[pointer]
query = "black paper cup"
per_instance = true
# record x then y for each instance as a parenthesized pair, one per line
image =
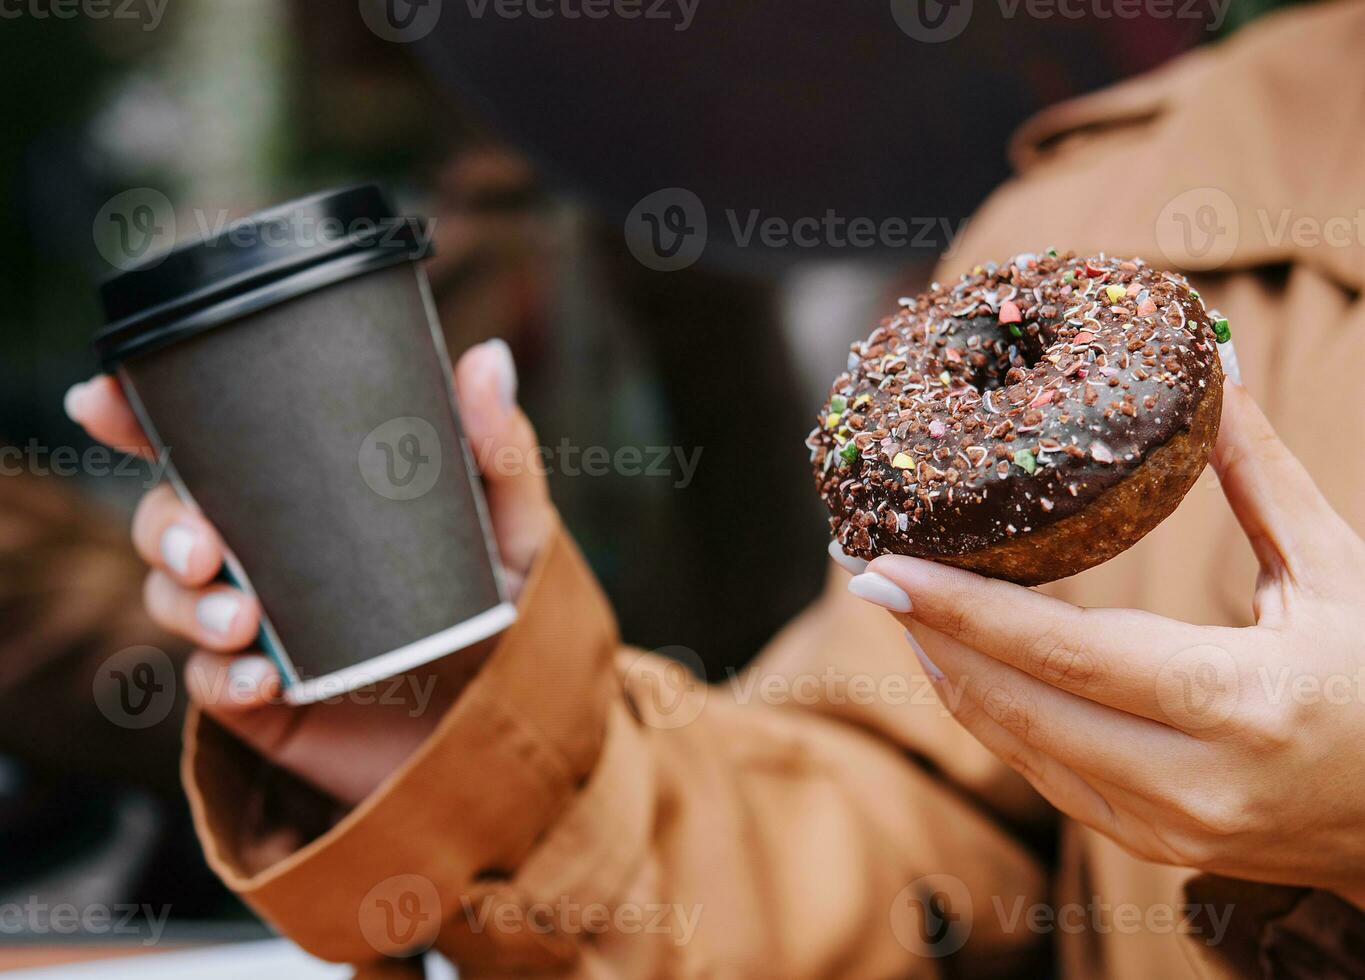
(293, 371)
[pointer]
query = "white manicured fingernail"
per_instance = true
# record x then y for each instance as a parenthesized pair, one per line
(177, 543)
(247, 675)
(1231, 369)
(217, 610)
(506, 369)
(72, 400)
(880, 591)
(929, 666)
(846, 562)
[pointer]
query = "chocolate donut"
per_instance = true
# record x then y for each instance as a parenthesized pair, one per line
(1027, 422)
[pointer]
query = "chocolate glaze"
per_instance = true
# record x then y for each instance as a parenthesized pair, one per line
(949, 433)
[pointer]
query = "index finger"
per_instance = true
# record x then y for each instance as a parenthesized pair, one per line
(1110, 656)
(1290, 524)
(99, 406)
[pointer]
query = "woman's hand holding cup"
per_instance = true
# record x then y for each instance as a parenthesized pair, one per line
(348, 746)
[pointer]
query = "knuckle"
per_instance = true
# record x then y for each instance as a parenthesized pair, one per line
(157, 599)
(1059, 661)
(1010, 711)
(1219, 815)
(1238, 458)
(153, 510)
(153, 591)
(1268, 723)
(955, 622)
(1184, 848)
(1273, 728)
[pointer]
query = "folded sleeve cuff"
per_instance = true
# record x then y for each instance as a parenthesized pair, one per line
(468, 806)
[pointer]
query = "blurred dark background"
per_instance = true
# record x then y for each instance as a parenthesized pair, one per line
(528, 143)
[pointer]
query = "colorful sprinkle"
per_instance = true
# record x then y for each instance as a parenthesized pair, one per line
(1026, 461)
(1009, 312)
(849, 453)
(832, 419)
(1221, 331)
(937, 430)
(903, 462)
(1115, 293)
(838, 403)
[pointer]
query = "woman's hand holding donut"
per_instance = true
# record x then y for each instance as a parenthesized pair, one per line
(348, 746)
(1236, 751)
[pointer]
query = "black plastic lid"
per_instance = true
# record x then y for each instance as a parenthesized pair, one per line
(263, 259)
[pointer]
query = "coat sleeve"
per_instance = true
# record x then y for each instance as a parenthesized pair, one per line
(585, 809)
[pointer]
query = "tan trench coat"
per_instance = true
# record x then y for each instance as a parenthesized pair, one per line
(583, 811)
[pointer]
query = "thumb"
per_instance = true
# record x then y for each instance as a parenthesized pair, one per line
(1291, 526)
(505, 448)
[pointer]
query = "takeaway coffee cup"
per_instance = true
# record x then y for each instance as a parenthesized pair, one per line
(293, 371)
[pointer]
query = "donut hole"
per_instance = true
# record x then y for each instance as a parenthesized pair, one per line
(994, 357)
